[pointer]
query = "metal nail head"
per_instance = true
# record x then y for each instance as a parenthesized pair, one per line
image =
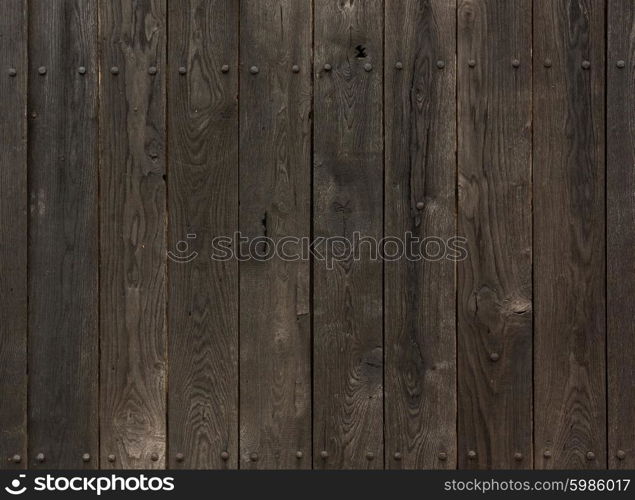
(295, 68)
(471, 63)
(86, 457)
(179, 457)
(114, 70)
(443, 456)
(111, 458)
(546, 454)
(547, 63)
(12, 72)
(621, 454)
(182, 70)
(494, 356)
(299, 455)
(324, 454)
(518, 456)
(368, 67)
(515, 63)
(40, 457)
(154, 457)
(370, 455)
(152, 70)
(81, 70)
(399, 65)
(42, 70)
(327, 67)
(253, 457)
(397, 456)
(440, 64)
(16, 459)
(225, 68)
(420, 205)
(590, 456)
(586, 64)
(254, 70)
(224, 455)
(621, 64)
(471, 454)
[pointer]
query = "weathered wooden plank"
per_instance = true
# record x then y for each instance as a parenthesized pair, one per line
(275, 180)
(133, 234)
(419, 295)
(569, 242)
(13, 228)
(620, 118)
(203, 203)
(347, 191)
(63, 234)
(494, 310)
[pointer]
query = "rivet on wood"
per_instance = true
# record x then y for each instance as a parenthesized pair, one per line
(152, 70)
(368, 67)
(114, 70)
(494, 356)
(81, 70)
(471, 454)
(253, 457)
(12, 72)
(225, 68)
(590, 456)
(254, 70)
(515, 63)
(182, 70)
(397, 456)
(399, 65)
(440, 64)
(295, 68)
(370, 455)
(111, 458)
(299, 454)
(328, 67)
(518, 456)
(547, 63)
(224, 455)
(420, 205)
(621, 64)
(86, 457)
(42, 70)
(621, 454)
(546, 454)
(179, 457)
(16, 459)
(154, 457)
(586, 64)
(443, 456)
(324, 454)
(471, 63)
(40, 457)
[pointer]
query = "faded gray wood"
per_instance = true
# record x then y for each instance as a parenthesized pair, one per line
(63, 234)
(620, 192)
(13, 228)
(275, 180)
(420, 136)
(569, 235)
(347, 198)
(133, 234)
(494, 310)
(203, 203)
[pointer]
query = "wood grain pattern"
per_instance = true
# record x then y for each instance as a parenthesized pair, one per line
(569, 230)
(347, 198)
(13, 228)
(63, 234)
(620, 197)
(494, 309)
(275, 148)
(133, 234)
(203, 202)
(419, 295)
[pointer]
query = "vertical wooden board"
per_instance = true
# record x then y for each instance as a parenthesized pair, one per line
(420, 329)
(348, 198)
(569, 238)
(620, 234)
(494, 310)
(203, 204)
(133, 234)
(63, 234)
(13, 228)
(275, 158)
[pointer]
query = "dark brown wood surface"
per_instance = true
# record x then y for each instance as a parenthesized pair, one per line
(133, 234)
(13, 231)
(63, 235)
(620, 182)
(347, 198)
(420, 180)
(203, 203)
(494, 309)
(275, 180)
(569, 234)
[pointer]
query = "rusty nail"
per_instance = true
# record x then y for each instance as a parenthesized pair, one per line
(370, 455)
(152, 70)
(327, 67)
(114, 70)
(179, 457)
(547, 63)
(440, 64)
(111, 458)
(299, 454)
(420, 205)
(399, 65)
(515, 63)
(397, 456)
(471, 63)
(471, 454)
(324, 454)
(494, 357)
(154, 457)
(253, 457)
(224, 455)
(12, 72)
(42, 70)
(443, 456)
(182, 70)
(590, 456)
(368, 67)
(586, 64)
(621, 64)
(86, 457)
(621, 454)
(546, 454)
(254, 70)
(295, 68)
(16, 459)
(518, 456)
(40, 457)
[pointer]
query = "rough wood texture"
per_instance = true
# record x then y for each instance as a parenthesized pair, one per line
(569, 243)
(133, 234)
(620, 194)
(420, 330)
(347, 193)
(275, 148)
(63, 234)
(494, 310)
(203, 202)
(13, 228)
